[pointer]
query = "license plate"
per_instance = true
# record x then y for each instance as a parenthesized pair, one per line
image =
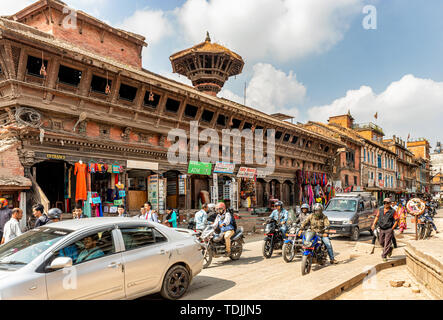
(332, 231)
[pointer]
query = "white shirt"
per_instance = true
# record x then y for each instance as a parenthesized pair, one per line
(150, 216)
(12, 230)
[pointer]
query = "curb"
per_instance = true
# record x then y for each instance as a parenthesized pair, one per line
(339, 289)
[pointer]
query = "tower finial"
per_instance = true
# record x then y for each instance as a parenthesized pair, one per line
(208, 38)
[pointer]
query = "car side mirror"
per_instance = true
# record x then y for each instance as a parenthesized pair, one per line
(60, 263)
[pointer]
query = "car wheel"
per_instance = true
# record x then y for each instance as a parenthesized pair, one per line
(175, 283)
(355, 234)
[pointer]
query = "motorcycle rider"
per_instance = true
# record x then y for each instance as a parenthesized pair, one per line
(319, 223)
(281, 216)
(426, 216)
(54, 215)
(224, 222)
(304, 213)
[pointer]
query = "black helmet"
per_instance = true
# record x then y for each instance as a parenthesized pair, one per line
(54, 213)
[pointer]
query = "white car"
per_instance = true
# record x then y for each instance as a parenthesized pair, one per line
(99, 258)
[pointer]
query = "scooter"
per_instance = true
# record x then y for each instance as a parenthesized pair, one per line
(314, 251)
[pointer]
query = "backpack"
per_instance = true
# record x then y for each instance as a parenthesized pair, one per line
(233, 220)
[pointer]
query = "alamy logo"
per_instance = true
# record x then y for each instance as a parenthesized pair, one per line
(210, 152)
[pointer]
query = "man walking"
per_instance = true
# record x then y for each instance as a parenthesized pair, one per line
(5, 215)
(12, 227)
(386, 221)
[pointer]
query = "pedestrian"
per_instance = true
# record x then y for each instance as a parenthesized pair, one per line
(150, 215)
(121, 211)
(77, 213)
(201, 217)
(171, 218)
(12, 227)
(5, 215)
(38, 212)
(385, 220)
(402, 214)
(142, 214)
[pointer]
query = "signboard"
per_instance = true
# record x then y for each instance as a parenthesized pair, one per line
(263, 172)
(214, 191)
(224, 167)
(244, 172)
(202, 168)
(153, 191)
(162, 195)
(132, 164)
(122, 193)
(381, 183)
(118, 202)
(56, 156)
(182, 185)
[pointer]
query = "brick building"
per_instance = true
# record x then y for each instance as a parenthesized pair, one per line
(421, 149)
(72, 95)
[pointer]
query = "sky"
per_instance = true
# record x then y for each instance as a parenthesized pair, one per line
(310, 59)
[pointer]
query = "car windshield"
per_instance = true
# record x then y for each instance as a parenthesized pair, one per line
(342, 205)
(20, 251)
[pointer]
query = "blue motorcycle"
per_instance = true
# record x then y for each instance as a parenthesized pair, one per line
(314, 251)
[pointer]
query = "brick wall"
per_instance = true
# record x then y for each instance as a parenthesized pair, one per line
(113, 46)
(10, 164)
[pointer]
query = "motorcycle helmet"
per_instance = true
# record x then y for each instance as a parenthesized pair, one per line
(305, 206)
(3, 203)
(318, 209)
(54, 213)
(279, 203)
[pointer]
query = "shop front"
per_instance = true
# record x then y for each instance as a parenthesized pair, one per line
(247, 177)
(200, 185)
(64, 181)
(224, 185)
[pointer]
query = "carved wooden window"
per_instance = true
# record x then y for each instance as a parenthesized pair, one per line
(127, 92)
(70, 76)
(235, 123)
(34, 66)
(286, 137)
(172, 105)
(247, 125)
(98, 84)
(294, 140)
(191, 111)
(221, 120)
(207, 116)
(151, 103)
(278, 135)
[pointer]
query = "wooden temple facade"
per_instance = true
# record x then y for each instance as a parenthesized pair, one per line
(63, 100)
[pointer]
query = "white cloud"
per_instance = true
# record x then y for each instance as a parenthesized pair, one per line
(258, 29)
(410, 105)
(152, 24)
(11, 7)
(271, 90)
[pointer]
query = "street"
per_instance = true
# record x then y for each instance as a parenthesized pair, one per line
(253, 275)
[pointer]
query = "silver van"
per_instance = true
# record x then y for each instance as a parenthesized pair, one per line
(351, 213)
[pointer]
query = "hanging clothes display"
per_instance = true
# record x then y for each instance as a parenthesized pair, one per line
(80, 171)
(87, 206)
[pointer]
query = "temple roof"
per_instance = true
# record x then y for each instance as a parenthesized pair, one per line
(206, 47)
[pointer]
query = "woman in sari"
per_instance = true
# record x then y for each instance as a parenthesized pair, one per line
(402, 214)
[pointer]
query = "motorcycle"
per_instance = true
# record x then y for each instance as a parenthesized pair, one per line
(293, 244)
(314, 251)
(213, 245)
(424, 227)
(273, 238)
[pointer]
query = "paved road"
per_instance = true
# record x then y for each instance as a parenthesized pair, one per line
(226, 279)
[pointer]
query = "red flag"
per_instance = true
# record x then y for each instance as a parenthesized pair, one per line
(376, 115)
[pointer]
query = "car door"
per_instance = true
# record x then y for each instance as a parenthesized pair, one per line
(97, 270)
(146, 256)
(362, 217)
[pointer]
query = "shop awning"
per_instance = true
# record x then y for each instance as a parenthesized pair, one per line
(14, 183)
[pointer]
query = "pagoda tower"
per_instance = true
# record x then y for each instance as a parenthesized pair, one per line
(208, 65)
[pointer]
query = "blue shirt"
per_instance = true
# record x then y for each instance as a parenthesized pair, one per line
(279, 216)
(200, 219)
(86, 254)
(224, 219)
